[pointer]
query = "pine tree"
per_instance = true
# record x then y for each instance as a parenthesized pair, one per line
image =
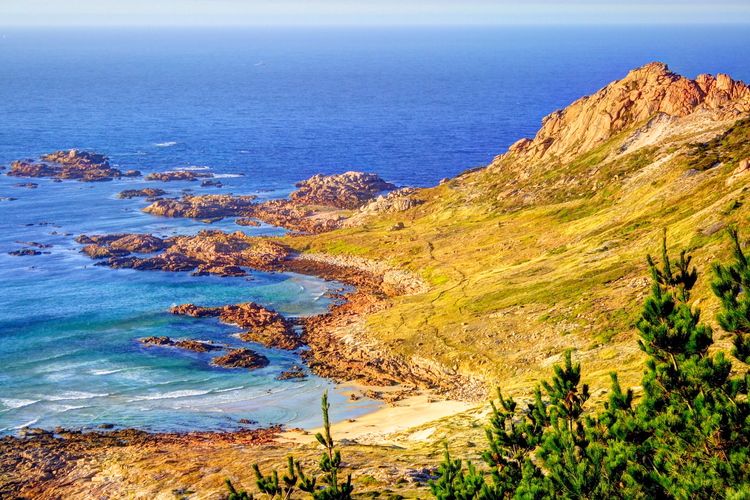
(296, 480)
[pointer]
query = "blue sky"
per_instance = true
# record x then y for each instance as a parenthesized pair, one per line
(366, 12)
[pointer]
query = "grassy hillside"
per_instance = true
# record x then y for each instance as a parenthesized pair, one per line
(527, 259)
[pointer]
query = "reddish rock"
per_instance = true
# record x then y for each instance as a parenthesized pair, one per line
(349, 190)
(157, 341)
(96, 251)
(242, 358)
(139, 243)
(643, 93)
(198, 207)
(263, 326)
(246, 222)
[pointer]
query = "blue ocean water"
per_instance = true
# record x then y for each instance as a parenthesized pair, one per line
(276, 105)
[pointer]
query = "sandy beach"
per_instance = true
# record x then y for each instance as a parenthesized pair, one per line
(387, 423)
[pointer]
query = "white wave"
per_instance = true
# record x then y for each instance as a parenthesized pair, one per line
(165, 144)
(228, 390)
(27, 424)
(245, 151)
(196, 167)
(74, 395)
(14, 403)
(107, 372)
(224, 176)
(170, 395)
(64, 408)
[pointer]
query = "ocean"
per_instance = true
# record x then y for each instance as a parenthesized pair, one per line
(260, 108)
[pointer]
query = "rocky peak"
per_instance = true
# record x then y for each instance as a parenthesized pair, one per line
(646, 91)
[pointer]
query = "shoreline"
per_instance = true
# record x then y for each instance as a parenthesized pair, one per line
(382, 425)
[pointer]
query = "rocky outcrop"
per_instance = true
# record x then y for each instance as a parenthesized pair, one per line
(397, 201)
(190, 345)
(242, 221)
(242, 358)
(179, 175)
(289, 215)
(203, 206)
(27, 185)
(263, 326)
(211, 252)
(118, 245)
(294, 373)
(643, 93)
(25, 252)
(80, 165)
(96, 251)
(348, 191)
(145, 193)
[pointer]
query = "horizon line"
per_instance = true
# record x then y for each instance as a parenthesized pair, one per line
(374, 25)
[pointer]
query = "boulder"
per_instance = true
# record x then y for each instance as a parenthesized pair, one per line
(242, 358)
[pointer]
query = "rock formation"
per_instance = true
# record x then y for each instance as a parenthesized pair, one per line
(263, 326)
(146, 193)
(642, 94)
(179, 175)
(242, 358)
(80, 165)
(348, 190)
(203, 206)
(190, 345)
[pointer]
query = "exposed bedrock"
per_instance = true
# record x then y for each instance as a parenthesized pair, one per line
(80, 165)
(263, 325)
(242, 358)
(348, 190)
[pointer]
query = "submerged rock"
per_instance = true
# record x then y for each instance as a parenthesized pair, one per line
(179, 175)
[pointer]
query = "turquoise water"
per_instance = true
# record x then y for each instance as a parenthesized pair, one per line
(411, 104)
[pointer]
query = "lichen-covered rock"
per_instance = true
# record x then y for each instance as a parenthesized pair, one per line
(242, 358)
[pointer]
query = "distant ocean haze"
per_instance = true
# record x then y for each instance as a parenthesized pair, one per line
(411, 104)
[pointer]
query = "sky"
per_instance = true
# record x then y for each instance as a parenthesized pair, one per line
(368, 12)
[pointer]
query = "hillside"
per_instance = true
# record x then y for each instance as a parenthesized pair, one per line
(545, 248)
